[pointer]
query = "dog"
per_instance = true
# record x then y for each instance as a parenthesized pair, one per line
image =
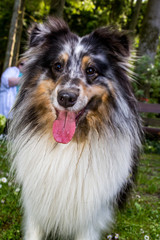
(75, 136)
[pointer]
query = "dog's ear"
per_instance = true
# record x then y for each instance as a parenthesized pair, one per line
(117, 43)
(35, 35)
(39, 32)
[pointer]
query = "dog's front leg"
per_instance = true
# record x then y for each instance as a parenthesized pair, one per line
(88, 235)
(32, 231)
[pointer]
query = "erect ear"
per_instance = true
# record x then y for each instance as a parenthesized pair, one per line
(116, 42)
(39, 32)
(35, 35)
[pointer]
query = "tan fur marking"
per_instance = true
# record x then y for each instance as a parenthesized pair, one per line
(42, 102)
(95, 119)
(104, 98)
(64, 57)
(93, 91)
(111, 88)
(86, 60)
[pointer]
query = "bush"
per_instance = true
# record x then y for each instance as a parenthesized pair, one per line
(152, 146)
(147, 87)
(2, 123)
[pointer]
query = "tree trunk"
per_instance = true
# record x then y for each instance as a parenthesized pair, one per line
(19, 33)
(149, 36)
(14, 38)
(135, 15)
(56, 8)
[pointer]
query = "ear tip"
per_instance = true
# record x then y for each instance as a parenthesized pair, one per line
(32, 27)
(125, 41)
(38, 31)
(56, 21)
(115, 38)
(33, 31)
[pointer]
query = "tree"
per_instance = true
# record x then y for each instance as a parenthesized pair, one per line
(15, 31)
(56, 8)
(135, 15)
(150, 32)
(19, 32)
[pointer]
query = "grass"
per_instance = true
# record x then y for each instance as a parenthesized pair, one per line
(141, 217)
(139, 220)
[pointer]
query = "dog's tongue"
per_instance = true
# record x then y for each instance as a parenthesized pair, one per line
(64, 127)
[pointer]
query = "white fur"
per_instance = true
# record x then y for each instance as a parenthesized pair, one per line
(70, 187)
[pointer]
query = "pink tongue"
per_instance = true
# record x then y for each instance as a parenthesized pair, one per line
(64, 127)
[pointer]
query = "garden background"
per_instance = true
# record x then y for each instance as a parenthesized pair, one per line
(141, 19)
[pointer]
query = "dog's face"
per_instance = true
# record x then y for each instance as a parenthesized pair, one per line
(73, 83)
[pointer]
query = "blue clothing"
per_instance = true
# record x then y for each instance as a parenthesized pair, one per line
(18, 86)
(8, 94)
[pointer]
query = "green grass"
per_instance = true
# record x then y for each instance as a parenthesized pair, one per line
(141, 217)
(10, 213)
(139, 220)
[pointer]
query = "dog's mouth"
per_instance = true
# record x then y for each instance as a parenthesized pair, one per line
(64, 126)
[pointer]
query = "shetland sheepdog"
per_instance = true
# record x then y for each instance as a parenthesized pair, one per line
(75, 136)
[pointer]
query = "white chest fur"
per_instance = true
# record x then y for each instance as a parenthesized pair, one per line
(69, 186)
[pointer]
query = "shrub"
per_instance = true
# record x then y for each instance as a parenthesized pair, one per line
(2, 123)
(147, 86)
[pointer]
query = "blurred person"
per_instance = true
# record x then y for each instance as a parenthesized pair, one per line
(9, 87)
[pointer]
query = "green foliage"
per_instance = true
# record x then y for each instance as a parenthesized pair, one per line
(83, 16)
(2, 123)
(147, 87)
(6, 8)
(36, 11)
(152, 146)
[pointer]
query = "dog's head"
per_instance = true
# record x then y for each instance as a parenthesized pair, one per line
(73, 83)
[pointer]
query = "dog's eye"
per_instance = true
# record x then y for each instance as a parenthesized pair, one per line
(90, 71)
(58, 67)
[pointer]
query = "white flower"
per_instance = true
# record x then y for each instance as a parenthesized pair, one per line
(142, 231)
(0, 185)
(4, 180)
(2, 201)
(17, 190)
(109, 236)
(138, 196)
(146, 237)
(116, 236)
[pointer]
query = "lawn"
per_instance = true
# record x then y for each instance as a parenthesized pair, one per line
(140, 220)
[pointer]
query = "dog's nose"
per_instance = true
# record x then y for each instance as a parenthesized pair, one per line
(67, 99)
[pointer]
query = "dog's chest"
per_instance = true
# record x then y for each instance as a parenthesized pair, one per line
(75, 179)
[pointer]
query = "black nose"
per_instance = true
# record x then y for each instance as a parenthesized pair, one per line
(67, 99)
